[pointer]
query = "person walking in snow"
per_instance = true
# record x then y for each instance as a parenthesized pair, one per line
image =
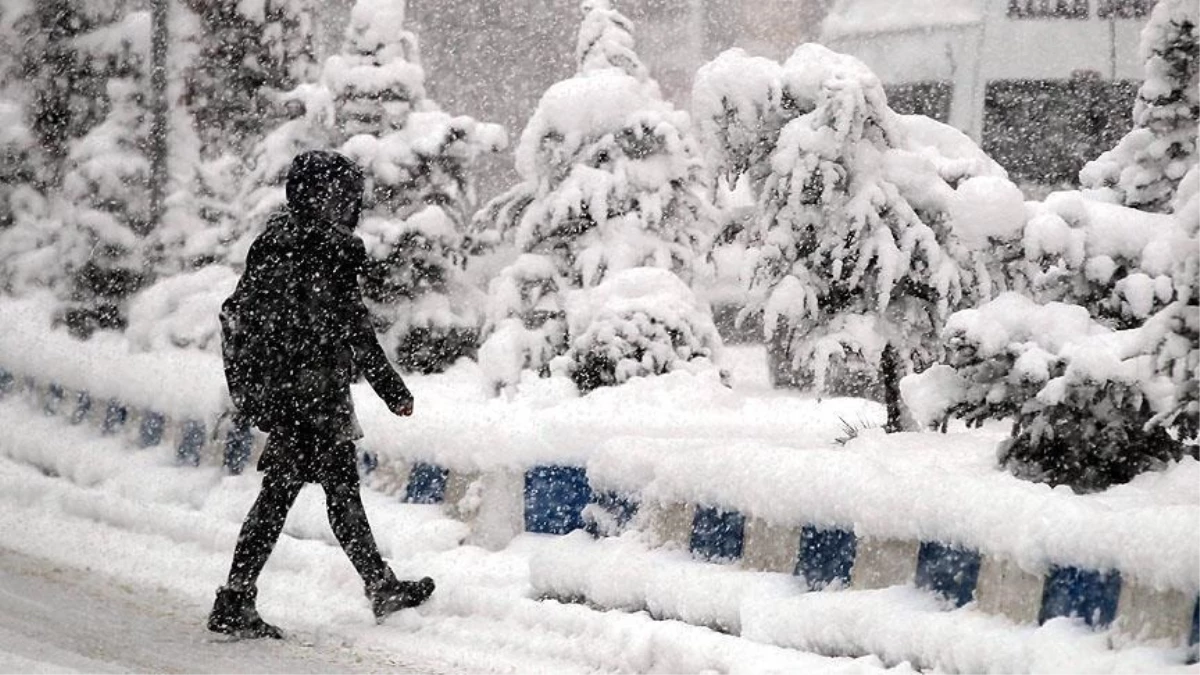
(294, 334)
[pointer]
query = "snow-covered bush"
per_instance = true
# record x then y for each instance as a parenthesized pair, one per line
(1177, 332)
(1144, 169)
(611, 177)
(418, 163)
(1091, 407)
(1114, 261)
(870, 226)
(641, 321)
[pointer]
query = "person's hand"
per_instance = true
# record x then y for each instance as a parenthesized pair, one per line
(403, 408)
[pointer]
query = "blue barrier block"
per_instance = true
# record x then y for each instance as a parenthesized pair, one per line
(1088, 594)
(7, 382)
(949, 571)
(238, 442)
(826, 556)
(83, 406)
(191, 441)
(621, 508)
(426, 484)
(54, 396)
(151, 432)
(554, 499)
(114, 417)
(717, 534)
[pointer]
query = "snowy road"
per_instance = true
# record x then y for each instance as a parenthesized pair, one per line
(56, 619)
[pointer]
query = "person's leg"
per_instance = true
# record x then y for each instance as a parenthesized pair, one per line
(348, 518)
(261, 529)
(234, 612)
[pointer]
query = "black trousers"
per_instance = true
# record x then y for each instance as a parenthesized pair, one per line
(343, 504)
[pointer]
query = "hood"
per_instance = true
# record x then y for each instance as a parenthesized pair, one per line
(325, 188)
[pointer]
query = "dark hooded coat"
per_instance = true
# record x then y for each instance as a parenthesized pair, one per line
(301, 283)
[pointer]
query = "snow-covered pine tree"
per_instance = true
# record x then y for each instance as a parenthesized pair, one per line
(107, 184)
(871, 227)
(307, 126)
(418, 162)
(249, 51)
(611, 179)
(1144, 169)
(16, 169)
(66, 50)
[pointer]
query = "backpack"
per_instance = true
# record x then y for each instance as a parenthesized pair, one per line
(270, 342)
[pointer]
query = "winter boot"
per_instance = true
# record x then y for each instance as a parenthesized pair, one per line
(234, 614)
(390, 595)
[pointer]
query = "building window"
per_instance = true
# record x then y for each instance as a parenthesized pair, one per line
(1125, 9)
(1044, 131)
(931, 98)
(1048, 9)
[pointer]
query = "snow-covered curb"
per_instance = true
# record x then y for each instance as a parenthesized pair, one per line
(718, 477)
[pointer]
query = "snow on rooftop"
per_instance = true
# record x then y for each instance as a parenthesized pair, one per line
(865, 17)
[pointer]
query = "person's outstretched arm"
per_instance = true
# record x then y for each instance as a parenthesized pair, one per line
(369, 357)
(372, 362)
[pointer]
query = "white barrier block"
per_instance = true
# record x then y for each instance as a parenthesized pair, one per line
(1146, 613)
(880, 563)
(133, 426)
(1004, 588)
(390, 475)
(501, 514)
(770, 547)
(256, 450)
(669, 523)
(463, 490)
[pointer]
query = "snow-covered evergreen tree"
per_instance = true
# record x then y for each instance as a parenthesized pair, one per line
(1144, 169)
(611, 177)
(871, 226)
(16, 169)
(65, 51)
(107, 183)
(308, 126)
(250, 50)
(417, 161)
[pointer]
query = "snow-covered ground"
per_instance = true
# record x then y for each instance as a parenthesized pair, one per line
(149, 541)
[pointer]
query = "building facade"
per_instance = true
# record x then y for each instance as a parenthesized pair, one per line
(1043, 85)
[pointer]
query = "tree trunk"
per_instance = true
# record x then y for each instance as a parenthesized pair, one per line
(159, 110)
(889, 367)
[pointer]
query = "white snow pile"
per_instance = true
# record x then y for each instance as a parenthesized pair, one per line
(181, 383)
(181, 311)
(901, 624)
(639, 322)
